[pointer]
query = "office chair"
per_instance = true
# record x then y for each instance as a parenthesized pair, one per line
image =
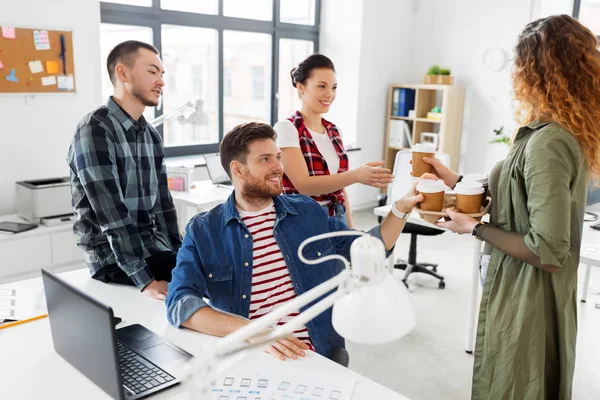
(401, 184)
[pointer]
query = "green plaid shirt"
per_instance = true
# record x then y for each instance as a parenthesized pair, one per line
(120, 196)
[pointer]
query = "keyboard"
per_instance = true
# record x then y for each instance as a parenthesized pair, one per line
(139, 375)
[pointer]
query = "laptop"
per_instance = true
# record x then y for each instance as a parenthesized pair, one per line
(127, 363)
(216, 173)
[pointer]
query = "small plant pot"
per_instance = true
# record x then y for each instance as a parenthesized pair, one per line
(439, 79)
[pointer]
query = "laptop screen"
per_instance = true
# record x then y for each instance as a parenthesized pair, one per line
(215, 170)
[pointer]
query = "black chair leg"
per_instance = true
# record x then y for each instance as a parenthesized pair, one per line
(411, 268)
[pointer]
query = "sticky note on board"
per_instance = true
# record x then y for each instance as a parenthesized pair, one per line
(66, 82)
(36, 66)
(8, 32)
(41, 40)
(1, 65)
(52, 67)
(48, 80)
(12, 77)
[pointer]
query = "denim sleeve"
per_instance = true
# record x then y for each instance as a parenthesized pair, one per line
(343, 243)
(188, 283)
(96, 166)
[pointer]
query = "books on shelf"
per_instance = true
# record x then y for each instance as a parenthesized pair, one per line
(400, 135)
(403, 100)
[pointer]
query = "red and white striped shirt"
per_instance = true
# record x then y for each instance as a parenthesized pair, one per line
(271, 280)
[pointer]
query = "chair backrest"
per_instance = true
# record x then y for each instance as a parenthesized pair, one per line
(403, 180)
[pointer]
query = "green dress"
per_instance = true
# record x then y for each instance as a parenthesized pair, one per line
(527, 327)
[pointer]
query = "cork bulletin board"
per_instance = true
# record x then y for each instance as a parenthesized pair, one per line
(36, 61)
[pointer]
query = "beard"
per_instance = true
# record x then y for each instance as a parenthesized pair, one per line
(259, 188)
(144, 99)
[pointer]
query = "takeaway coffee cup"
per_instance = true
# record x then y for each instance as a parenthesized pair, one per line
(468, 197)
(481, 178)
(419, 167)
(433, 193)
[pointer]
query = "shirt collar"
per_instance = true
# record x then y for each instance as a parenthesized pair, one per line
(125, 119)
(538, 124)
(282, 207)
(300, 120)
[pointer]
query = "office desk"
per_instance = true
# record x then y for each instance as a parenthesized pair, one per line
(30, 368)
(590, 254)
(202, 198)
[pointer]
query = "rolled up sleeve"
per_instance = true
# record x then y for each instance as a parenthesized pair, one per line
(548, 172)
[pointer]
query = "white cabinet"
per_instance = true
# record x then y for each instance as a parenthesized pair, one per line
(64, 248)
(18, 257)
(23, 254)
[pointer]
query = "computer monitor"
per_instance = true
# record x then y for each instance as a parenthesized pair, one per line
(593, 195)
(592, 204)
(216, 172)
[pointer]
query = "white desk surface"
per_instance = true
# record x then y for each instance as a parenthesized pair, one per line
(203, 196)
(31, 369)
(41, 230)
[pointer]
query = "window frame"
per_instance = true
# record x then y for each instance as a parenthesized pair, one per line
(577, 9)
(154, 17)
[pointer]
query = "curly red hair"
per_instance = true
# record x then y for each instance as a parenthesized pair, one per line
(557, 78)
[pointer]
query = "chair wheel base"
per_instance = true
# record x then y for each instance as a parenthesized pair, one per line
(442, 284)
(469, 352)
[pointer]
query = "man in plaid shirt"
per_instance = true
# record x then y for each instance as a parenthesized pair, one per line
(126, 220)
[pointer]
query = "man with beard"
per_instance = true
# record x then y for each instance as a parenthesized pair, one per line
(125, 217)
(242, 255)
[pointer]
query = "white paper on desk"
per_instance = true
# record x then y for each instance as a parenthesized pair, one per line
(17, 303)
(282, 383)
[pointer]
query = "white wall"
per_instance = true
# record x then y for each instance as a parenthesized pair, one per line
(456, 35)
(35, 132)
(369, 43)
(374, 44)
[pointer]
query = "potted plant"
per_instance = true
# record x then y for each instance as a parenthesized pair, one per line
(500, 136)
(438, 75)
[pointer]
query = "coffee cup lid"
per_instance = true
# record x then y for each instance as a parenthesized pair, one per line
(468, 187)
(476, 177)
(423, 148)
(430, 186)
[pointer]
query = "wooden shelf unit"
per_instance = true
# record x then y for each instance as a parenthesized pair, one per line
(450, 98)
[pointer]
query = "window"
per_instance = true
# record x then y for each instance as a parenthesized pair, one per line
(197, 80)
(246, 49)
(258, 83)
(110, 36)
(291, 53)
(228, 58)
(588, 13)
(183, 49)
(200, 7)
(255, 9)
(298, 12)
(227, 81)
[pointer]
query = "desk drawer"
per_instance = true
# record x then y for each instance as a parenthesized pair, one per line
(22, 256)
(64, 248)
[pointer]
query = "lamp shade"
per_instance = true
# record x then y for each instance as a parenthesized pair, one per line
(379, 310)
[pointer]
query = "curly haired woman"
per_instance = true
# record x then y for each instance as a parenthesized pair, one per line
(528, 315)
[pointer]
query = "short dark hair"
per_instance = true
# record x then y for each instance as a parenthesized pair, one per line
(234, 145)
(125, 53)
(304, 70)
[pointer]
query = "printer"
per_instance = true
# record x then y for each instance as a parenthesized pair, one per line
(45, 201)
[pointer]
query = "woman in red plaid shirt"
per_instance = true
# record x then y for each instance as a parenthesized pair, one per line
(314, 158)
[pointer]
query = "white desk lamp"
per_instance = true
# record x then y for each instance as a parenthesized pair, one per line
(191, 112)
(370, 306)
